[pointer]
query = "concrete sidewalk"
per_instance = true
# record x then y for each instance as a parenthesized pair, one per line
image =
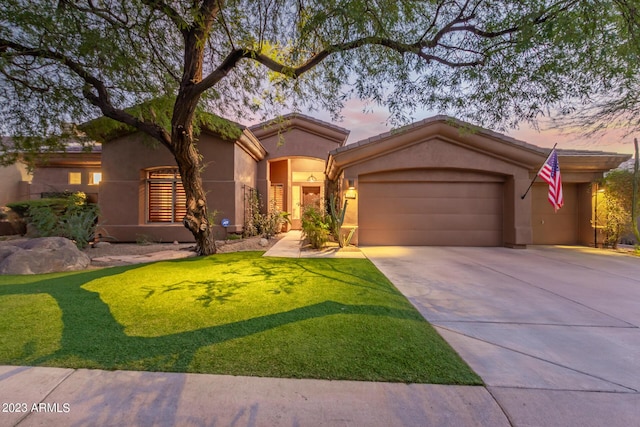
(291, 245)
(67, 397)
(113, 260)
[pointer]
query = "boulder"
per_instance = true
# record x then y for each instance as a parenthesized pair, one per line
(41, 255)
(6, 250)
(264, 242)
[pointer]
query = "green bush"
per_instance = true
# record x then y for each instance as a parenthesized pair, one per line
(71, 217)
(267, 224)
(617, 201)
(315, 227)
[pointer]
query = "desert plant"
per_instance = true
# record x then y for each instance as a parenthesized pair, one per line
(337, 220)
(80, 226)
(267, 224)
(271, 223)
(71, 217)
(315, 227)
(252, 219)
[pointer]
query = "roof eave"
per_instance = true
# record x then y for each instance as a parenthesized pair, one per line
(250, 144)
(305, 123)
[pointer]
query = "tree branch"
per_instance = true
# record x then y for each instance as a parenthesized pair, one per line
(169, 12)
(24, 83)
(420, 48)
(101, 99)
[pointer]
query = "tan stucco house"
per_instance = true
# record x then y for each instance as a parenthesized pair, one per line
(435, 182)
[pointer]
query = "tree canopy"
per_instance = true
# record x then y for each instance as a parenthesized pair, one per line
(494, 62)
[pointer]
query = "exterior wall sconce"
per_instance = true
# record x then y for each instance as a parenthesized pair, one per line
(351, 191)
(312, 178)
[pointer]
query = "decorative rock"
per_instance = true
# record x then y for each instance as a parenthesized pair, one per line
(6, 250)
(175, 242)
(101, 244)
(264, 242)
(41, 255)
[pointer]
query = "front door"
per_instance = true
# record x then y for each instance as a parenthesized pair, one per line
(309, 195)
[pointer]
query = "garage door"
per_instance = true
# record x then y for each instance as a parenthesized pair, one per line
(430, 213)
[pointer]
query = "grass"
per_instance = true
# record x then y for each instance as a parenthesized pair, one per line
(237, 314)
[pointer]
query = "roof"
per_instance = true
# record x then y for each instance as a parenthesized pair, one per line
(71, 146)
(456, 131)
(300, 121)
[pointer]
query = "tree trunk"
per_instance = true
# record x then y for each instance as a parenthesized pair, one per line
(197, 218)
(189, 161)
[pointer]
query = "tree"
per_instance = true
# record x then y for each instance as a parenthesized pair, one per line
(495, 62)
(614, 102)
(618, 204)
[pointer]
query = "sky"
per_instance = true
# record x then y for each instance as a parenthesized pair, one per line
(365, 125)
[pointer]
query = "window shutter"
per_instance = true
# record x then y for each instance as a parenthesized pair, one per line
(166, 196)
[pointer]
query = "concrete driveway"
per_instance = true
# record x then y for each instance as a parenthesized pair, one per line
(553, 331)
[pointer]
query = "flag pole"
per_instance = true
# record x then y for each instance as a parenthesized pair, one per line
(536, 175)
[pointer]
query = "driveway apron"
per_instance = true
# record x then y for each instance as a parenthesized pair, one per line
(553, 331)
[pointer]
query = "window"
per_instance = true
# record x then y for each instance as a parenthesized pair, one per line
(95, 178)
(166, 201)
(277, 196)
(75, 178)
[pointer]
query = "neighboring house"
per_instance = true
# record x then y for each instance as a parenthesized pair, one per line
(69, 172)
(429, 183)
(14, 180)
(14, 183)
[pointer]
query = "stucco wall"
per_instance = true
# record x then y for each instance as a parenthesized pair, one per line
(56, 179)
(295, 142)
(585, 214)
(245, 173)
(122, 192)
(14, 183)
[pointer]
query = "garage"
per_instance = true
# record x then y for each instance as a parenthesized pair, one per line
(437, 183)
(431, 213)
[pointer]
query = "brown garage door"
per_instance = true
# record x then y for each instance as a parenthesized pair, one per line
(430, 213)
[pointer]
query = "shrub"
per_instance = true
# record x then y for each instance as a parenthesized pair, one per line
(271, 223)
(315, 226)
(267, 224)
(71, 217)
(617, 201)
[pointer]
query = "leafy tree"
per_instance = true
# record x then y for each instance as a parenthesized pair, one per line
(495, 62)
(614, 102)
(618, 204)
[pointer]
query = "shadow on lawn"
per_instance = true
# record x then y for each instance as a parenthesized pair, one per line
(90, 332)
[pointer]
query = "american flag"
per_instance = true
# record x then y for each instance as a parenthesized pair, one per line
(550, 172)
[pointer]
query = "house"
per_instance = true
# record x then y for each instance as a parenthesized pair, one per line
(67, 172)
(141, 196)
(435, 182)
(14, 178)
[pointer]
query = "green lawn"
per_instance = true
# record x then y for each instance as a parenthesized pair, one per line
(238, 314)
